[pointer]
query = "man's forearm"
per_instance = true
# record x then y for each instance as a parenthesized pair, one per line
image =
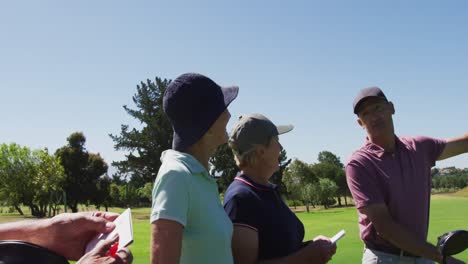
(33, 231)
(405, 240)
(454, 147)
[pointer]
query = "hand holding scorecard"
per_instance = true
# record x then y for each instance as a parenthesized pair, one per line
(338, 236)
(123, 227)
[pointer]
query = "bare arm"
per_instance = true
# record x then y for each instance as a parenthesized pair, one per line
(29, 231)
(398, 235)
(455, 146)
(245, 249)
(60, 233)
(166, 242)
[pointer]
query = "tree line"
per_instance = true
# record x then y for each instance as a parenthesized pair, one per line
(449, 179)
(73, 176)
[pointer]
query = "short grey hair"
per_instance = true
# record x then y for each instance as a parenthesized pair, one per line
(248, 157)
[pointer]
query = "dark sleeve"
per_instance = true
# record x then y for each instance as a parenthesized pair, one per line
(243, 210)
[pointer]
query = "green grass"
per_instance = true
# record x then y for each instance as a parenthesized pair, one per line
(328, 223)
(462, 193)
(447, 213)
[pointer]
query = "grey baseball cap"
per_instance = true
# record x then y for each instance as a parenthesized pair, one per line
(366, 93)
(254, 129)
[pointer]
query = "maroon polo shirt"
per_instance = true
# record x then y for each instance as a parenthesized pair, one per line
(401, 180)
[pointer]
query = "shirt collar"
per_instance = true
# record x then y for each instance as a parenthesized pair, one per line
(192, 164)
(379, 151)
(246, 180)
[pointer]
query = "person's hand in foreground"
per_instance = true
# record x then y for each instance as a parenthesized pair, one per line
(101, 254)
(69, 233)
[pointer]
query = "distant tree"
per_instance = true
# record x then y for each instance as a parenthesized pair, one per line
(144, 145)
(31, 178)
(449, 179)
(82, 170)
(224, 167)
(115, 196)
(147, 191)
(330, 158)
(102, 195)
(310, 194)
(129, 195)
(330, 167)
(327, 191)
(297, 174)
(16, 171)
(277, 177)
(49, 180)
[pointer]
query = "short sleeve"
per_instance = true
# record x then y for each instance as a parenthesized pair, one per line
(432, 147)
(244, 211)
(171, 195)
(363, 185)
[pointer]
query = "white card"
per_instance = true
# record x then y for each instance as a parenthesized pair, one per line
(338, 236)
(123, 226)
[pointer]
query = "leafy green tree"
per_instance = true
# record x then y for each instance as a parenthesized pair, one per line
(82, 170)
(146, 191)
(449, 179)
(224, 167)
(309, 193)
(327, 190)
(297, 174)
(49, 180)
(16, 170)
(277, 177)
(31, 178)
(328, 157)
(129, 195)
(330, 167)
(102, 194)
(115, 196)
(144, 146)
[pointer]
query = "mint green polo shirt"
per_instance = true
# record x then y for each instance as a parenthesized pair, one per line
(185, 192)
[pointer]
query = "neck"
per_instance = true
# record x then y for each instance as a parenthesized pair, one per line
(257, 174)
(388, 142)
(201, 153)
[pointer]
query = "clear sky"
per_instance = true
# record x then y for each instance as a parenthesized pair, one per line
(70, 66)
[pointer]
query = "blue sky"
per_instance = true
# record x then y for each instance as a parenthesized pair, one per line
(71, 66)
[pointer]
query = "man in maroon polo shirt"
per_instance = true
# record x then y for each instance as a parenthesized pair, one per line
(390, 180)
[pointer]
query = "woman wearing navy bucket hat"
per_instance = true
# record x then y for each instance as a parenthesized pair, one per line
(188, 223)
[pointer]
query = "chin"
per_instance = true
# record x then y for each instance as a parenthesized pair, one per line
(277, 167)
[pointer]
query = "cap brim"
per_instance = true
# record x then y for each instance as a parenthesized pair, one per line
(284, 129)
(230, 93)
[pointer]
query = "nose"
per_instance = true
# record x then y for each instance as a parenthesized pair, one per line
(376, 116)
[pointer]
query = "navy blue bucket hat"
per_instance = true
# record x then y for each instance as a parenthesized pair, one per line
(193, 102)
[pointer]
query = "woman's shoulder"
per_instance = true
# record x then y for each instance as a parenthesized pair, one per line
(239, 191)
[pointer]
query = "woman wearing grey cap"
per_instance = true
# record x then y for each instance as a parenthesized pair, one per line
(188, 223)
(265, 229)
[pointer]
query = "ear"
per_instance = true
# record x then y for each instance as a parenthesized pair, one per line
(260, 151)
(360, 123)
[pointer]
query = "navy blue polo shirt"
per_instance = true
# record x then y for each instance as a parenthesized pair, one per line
(261, 208)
